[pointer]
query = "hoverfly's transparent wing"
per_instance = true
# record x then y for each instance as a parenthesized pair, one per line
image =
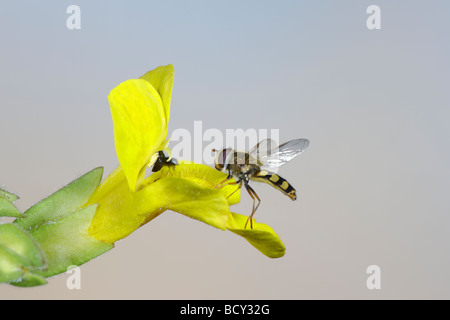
(281, 155)
(263, 148)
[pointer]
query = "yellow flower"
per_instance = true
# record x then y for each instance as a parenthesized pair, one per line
(140, 110)
(127, 199)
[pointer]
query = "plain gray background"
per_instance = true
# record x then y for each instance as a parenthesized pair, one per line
(373, 185)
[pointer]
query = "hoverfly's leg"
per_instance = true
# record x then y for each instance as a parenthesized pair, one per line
(239, 186)
(255, 197)
(223, 182)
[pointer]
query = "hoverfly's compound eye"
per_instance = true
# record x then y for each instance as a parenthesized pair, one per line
(221, 158)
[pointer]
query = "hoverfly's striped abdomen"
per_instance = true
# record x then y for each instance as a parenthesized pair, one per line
(277, 182)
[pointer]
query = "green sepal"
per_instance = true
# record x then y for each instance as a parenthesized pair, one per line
(29, 280)
(64, 201)
(8, 196)
(16, 270)
(66, 242)
(20, 242)
(11, 265)
(20, 257)
(7, 208)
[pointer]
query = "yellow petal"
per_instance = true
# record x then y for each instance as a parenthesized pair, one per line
(191, 199)
(262, 237)
(200, 174)
(139, 125)
(122, 211)
(162, 80)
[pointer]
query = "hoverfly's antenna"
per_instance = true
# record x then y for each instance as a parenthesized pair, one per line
(214, 150)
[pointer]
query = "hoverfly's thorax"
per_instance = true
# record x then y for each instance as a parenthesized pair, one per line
(222, 158)
(239, 164)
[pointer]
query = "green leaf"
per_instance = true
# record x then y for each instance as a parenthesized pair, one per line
(7, 208)
(67, 242)
(20, 256)
(29, 280)
(11, 265)
(65, 201)
(20, 242)
(8, 196)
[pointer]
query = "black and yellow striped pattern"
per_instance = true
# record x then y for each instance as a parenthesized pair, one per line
(277, 182)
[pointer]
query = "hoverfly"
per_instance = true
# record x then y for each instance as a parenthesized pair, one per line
(163, 160)
(256, 165)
